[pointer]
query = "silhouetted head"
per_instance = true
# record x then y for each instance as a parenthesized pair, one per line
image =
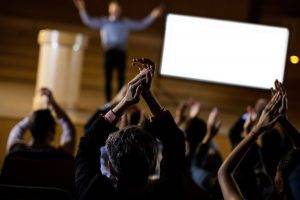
(132, 155)
(260, 105)
(42, 126)
(195, 132)
(272, 150)
(285, 167)
(114, 9)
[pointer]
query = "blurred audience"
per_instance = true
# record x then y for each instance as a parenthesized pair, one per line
(42, 126)
(124, 153)
(285, 182)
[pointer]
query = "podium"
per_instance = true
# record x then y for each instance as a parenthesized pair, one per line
(59, 66)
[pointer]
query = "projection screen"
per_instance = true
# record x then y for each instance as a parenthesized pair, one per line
(224, 52)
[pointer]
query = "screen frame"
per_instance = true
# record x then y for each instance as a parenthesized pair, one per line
(215, 83)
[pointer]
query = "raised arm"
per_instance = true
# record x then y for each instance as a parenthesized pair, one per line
(16, 135)
(292, 133)
(146, 22)
(92, 22)
(213, 126)
(268, 118)
(67, 138)
(163, 127)
(87, 159)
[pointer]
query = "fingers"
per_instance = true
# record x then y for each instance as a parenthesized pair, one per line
(45, 91)
(141, 75)
(143, 63)
(271, 102)
(272, 92)
(213, 116)
(275, 105)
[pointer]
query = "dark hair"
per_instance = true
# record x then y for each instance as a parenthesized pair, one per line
(132, 153)
(272, 149)
(42, 123)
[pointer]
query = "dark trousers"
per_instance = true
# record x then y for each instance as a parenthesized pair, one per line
(114, 59)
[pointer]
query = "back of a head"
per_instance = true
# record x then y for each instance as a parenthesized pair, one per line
(132, 153)
(271, 150)
(260, 105)
(42, 123)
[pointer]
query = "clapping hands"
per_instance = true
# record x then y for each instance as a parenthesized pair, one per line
(274, 109)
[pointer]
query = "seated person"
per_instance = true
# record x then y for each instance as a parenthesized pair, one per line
(41, 125)
(132, 151)
(286, 185)
(207, 159)
(236, 131)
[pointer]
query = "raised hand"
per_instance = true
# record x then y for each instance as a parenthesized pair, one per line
(195, 108)
(147, 67)
(47, 93)
(213, 122)
(180, 112)
(134, 91)
(284, 101)
(80, 4)
(157, 11)
(132, 96)
(270, 114)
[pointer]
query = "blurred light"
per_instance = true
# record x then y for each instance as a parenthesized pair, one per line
(54, 45)
(294, 59)
(76, 47)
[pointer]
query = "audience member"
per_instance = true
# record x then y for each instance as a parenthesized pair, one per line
(41, 125)
(274, 111)
(132, 150)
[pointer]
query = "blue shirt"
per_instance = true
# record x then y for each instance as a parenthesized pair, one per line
(114, 33)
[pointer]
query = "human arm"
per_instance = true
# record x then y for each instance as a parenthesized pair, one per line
(213, 126)
(87, 158)
(67, 138)
(268, 118)
(16, 135)
(108, 106)
(135, 25)
(92, 22)
(292, 133)
(163, 127)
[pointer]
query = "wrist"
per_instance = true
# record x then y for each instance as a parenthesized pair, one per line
(120, 108)
(282, 119)
(256, 131)
(147, 94)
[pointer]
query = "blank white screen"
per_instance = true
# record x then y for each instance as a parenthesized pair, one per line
(224, 51)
